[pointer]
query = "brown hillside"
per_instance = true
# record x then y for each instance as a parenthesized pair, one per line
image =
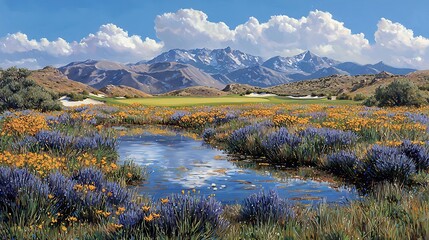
(352, 85)
(53, 80)
(237, 88)
(123, 91)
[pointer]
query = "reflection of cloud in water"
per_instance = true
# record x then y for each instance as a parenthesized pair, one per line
(171, 158)
(195, 177)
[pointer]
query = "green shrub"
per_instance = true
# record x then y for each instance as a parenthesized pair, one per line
(18, 92)
(359, 97)
(76, 96)
(369, 102)
(399, 93)
(343, 96)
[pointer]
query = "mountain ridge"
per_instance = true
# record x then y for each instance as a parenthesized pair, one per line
(179, 68)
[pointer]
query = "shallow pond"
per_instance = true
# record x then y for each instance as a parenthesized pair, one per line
(177, 163)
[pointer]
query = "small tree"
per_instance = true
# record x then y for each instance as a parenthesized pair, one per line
(369, 102)
(18, 92)
(343, 96)
(399, 93)
(359, 97)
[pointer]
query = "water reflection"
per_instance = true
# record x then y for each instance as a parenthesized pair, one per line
(178, 163)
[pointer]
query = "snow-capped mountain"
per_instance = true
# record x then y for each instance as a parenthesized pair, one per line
(178, 69)
(217, 61)
(305, 62)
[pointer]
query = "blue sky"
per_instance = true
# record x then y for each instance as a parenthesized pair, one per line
(74, 20)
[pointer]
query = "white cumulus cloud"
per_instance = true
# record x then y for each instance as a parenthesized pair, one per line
(281, 35)
(318, 32)
(19, 42)
(30, 63)
(109, 42)
(188, 28)
(397, 45)
(113, 40)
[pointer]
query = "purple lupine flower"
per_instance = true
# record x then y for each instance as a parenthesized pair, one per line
(265, 208)
(417, 153)
(81, 109)
(388, 164)
(196, 213)
(318, 115)
(208, 134)
(131, 217)
(53, 140)
(418, 117)
(13, 182)
(279, 138)
(329, 137)
(177, 116)
(85, 143)
(91, 176)
(27, 143)
(344, 164)
(118, 196)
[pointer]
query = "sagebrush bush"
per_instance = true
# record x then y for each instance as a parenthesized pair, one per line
(359, 97)
(20, 93)
(399, 93)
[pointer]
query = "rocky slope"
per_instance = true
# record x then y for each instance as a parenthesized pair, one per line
(178, 69)
(53, 80)
(150, 78)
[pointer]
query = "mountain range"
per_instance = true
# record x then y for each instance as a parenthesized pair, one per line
(178, 68)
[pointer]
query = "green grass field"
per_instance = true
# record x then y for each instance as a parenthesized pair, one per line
(213, 101)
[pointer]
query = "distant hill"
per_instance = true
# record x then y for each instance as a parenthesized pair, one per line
(352, 85)
(199, 91)
(150, 78)
(53, 80)
(241, 89)
(123, 91)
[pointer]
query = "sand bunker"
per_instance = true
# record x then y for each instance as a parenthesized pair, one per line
(67, 103)
(306, 97)
(260, 95)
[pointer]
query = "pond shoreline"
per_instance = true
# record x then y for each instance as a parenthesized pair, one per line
(221, 173)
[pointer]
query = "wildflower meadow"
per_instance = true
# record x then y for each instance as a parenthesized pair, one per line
(60, 176)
